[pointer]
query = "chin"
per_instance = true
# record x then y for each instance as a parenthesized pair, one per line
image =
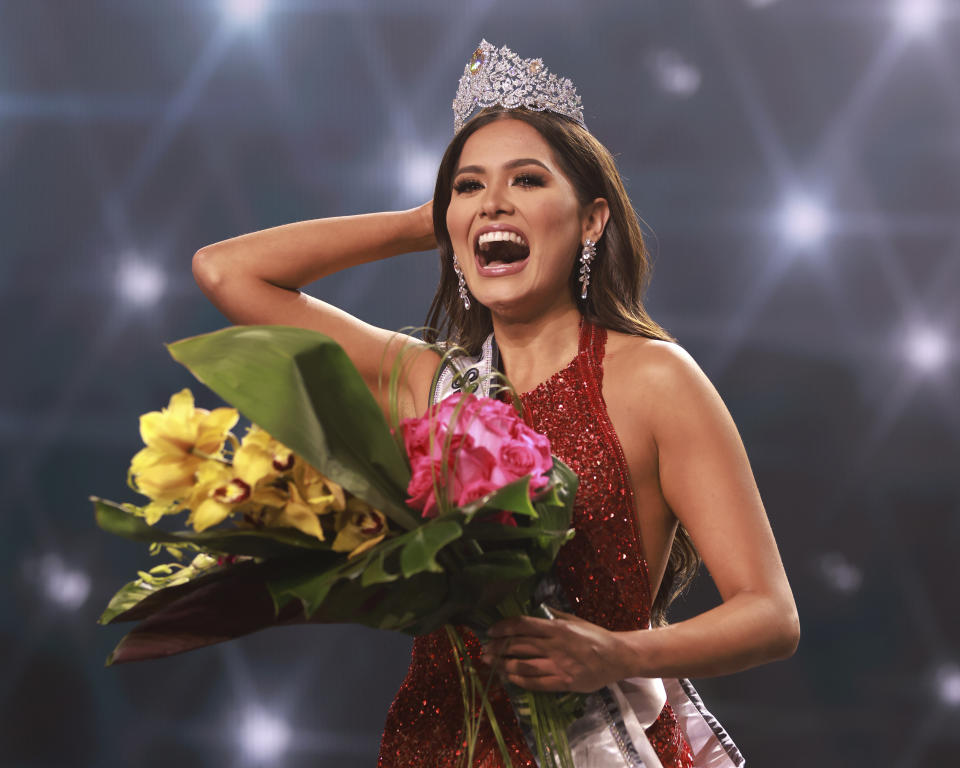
(510, 307)
(516, 309)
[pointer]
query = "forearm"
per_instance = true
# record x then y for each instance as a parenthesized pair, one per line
(294, 255)
(745, 631)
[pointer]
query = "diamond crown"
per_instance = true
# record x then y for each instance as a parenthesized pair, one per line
(499, 77)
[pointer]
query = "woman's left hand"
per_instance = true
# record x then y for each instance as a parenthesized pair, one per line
(563, 654)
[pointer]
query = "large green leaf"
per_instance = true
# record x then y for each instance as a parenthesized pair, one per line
(262, 542)
(301, 387)
(422, 544)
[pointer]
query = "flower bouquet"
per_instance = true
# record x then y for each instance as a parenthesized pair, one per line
(324, 513)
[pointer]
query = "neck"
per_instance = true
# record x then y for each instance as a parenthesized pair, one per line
(532, 350)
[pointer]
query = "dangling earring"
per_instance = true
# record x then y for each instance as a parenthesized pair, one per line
(587, 255)
(461, 284)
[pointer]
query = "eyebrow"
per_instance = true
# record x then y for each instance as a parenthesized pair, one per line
(512, 164)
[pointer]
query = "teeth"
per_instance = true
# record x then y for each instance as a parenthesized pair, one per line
(500, 236)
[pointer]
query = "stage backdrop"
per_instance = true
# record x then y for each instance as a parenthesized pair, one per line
(797, 165)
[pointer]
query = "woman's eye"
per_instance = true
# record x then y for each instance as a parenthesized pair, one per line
(528, 180)
(466, 185)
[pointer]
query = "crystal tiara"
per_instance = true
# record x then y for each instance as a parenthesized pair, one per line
(498, 77)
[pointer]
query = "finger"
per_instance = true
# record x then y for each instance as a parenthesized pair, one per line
(529, 667)
(521, 625)
(543, 683)
(513, 648)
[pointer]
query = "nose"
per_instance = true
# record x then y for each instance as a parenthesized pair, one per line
(495, 201)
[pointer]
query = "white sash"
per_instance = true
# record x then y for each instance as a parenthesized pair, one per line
(612, 733)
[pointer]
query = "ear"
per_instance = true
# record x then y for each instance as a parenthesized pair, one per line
(595, 217)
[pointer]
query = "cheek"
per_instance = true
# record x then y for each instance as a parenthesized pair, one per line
(457, 225)
(457, 211)
(562, 221)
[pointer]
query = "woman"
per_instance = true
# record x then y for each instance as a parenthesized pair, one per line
(539, 244)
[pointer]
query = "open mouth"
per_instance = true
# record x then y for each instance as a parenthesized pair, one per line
(501, 247)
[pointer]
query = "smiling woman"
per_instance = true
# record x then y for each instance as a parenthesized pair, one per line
(543, 270)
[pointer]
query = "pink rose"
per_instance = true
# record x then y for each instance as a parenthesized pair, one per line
(474, 491)
(472, 469)
(421, 488)
(489, 447)
(517, 459)
(416, 437)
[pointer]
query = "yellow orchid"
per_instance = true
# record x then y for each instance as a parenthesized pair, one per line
(178, 440)
(216, 492)
(359, 527)
(259, 443)
(248, 482)
(311, 495)
(318, 489)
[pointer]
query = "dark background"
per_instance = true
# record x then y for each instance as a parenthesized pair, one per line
(797, 163)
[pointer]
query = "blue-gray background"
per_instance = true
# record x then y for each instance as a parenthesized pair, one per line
(798, 165)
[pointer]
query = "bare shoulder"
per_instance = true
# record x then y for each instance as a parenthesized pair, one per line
(660, 372)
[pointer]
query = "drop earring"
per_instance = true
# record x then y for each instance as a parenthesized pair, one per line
(587, 255)
(461, 284)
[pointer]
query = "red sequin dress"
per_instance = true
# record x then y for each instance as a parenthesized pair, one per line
(602, 572)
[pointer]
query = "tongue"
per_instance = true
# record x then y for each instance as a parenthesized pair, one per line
(504, 252)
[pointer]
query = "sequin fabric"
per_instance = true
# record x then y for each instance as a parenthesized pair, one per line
(602, 571)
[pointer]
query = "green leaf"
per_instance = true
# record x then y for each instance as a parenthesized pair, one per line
(301, 387)
(415, 606)
(496, 532)
(503, 566)
(422, 544)
(376, 572)
(514, 497)
(126, 598)
(263, 542)
(564, 482)
(311, 587)
(418, 550)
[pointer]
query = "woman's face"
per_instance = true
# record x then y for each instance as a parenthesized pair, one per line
(514, 220)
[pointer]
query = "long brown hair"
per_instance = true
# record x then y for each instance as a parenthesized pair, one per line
(618, 278)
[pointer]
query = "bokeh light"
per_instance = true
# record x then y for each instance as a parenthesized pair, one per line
(673, 73)
(245, 12)
(839, 573)
(947, 681)
(803, 220)
(140, 282)
(64, 586)
(263, 737)
(417, 174)
(917, 17)
(927, 349)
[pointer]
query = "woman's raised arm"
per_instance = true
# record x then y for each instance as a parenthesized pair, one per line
(256, 279)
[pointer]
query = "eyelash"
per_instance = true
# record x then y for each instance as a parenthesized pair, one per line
(521, 179)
